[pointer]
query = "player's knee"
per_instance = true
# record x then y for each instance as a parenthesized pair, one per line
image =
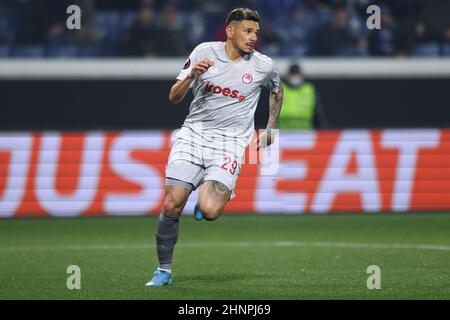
(169, 208)
(172, 207)
(210, 212)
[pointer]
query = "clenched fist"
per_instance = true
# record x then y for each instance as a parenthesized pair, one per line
(201, 67)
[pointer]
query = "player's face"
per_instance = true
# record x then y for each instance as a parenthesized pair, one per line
(243, 34)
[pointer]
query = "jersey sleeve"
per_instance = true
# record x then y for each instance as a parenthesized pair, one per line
(272, 79)
(188, 65)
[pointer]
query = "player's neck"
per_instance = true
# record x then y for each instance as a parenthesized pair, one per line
(234, 54)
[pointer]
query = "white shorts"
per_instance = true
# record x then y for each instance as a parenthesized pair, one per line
(193, 163)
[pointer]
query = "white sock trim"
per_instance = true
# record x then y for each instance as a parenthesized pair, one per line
(165, 270)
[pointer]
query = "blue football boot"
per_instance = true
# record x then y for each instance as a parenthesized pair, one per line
(198, 215)
(160, 278)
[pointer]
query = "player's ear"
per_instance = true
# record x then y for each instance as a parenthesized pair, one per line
(229, 31)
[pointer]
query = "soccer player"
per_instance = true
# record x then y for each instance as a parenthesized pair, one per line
(226, 79)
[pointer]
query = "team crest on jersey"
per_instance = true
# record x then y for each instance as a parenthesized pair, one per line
(247, 78)
(187, 63)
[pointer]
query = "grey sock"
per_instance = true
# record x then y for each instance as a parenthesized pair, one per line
(166, 237)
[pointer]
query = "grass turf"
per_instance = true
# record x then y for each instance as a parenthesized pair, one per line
(235, 257)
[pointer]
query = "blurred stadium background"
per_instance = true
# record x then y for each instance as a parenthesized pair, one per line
(86, 128)
(35, 29)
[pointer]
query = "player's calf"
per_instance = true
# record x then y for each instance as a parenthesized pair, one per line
(167, 233)
(214, 195)
(210, 211)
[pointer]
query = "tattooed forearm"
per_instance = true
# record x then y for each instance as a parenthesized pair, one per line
(275, 102)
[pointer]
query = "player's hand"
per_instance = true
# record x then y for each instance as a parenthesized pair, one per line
(201, 67)
(265, 139)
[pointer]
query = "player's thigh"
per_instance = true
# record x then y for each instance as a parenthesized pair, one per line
(224, 168)
(184, 164)
(181, 179)
(213, 198)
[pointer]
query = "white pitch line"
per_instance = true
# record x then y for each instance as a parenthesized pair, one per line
(303, 244)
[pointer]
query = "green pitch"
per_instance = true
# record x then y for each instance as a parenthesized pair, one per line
(235, 257)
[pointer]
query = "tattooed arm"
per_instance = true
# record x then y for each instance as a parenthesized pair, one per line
(275, 102)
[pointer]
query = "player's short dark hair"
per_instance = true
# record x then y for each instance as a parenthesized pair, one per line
(240, 14)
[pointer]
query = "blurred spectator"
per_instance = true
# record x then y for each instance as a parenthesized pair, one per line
(128, 5)
(293, 30)
(335, 38)
(288, 27)
(145, 38)
(329, 5)
(88, 34)
(274, 9)
(41, 19)
(433, 26)
(179, 43)
(5, 35)
(269, 41)
(45, 22)
(404, 13)
(382, 42)
(302, 108)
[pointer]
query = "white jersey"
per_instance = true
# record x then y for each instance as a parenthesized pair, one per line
(226, 96)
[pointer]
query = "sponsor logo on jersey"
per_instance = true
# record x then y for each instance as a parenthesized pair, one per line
(226, 92)
(247, 78)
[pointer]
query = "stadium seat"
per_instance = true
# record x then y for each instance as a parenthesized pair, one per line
(272, 49)
(196, 25)
(28, 51)
(127, 19)
(107, 18)
(429, 49)
(90, 52)
(446, 49)
(357, 25)
(15, 22)
(297, 50)
(321, 16)
(5, 51)
(311, 20)
(109, 25)
(62, 51)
